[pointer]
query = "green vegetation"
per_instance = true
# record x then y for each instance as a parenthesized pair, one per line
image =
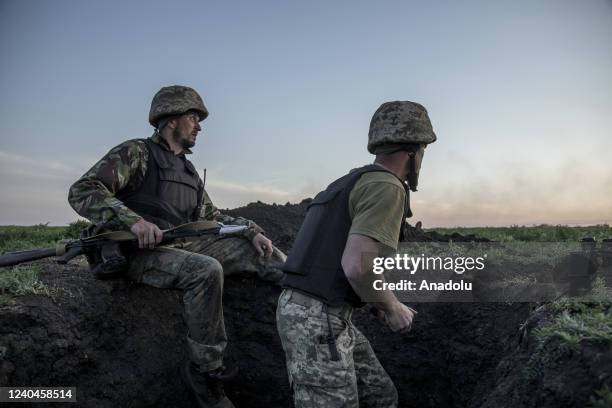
(21, 280)
(541, 233)
(13, 238)
(73, 231)
(576, 322)
(598, 300)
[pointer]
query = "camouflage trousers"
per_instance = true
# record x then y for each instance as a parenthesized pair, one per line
(198, 268)
(356, 380)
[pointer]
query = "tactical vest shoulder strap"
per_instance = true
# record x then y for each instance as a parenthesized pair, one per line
(145, 199)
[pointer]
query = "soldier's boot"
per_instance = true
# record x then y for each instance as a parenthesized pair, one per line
(208, 387)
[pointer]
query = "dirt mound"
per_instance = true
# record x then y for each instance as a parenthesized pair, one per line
(281, 222)
(121, 344)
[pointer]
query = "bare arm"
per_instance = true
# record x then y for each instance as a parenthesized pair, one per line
(397, 315)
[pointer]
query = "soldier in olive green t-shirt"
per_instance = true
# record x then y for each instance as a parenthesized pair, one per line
(330, 363)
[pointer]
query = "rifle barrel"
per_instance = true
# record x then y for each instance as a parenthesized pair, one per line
(14, 258)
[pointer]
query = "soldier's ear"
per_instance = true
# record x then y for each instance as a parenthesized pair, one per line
(172, 123)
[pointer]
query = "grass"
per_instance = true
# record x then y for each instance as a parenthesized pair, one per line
(576, 322)
(13, 238)
(21, 280)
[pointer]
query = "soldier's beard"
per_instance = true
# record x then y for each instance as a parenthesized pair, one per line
(181, 140)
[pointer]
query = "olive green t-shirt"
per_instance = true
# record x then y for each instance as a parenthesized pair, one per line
(376, 207)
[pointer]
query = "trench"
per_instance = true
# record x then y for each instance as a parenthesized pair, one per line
(449, 359)
(122, 345)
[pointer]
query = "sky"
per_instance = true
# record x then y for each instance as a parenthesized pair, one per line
(519, 94)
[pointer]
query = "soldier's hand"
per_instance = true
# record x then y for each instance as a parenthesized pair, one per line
(398, 318)
(262, 245)
(148, 233)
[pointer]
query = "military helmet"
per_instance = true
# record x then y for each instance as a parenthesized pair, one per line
(175, 100)
(397, 123)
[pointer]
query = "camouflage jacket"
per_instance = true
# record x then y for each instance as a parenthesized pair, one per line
(93, 195)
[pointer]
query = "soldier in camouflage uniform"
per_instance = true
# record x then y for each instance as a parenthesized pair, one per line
(329, 361)
(146, 185)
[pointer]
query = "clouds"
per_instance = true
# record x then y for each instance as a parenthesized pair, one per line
(34, 191)
(25, 168)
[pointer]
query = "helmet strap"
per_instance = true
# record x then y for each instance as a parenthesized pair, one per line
(408, 209)
(162, 123)
(412, 178)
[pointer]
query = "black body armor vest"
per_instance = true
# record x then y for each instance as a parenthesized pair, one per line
(169, 194)
(314, 264)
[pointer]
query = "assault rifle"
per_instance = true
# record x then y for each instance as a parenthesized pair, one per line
(105, 251)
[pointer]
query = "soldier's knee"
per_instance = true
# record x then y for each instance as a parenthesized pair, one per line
(212, 270)
(205, 268)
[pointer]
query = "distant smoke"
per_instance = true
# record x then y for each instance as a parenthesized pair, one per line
(571, 193)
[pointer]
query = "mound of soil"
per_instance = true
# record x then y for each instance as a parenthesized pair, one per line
(122, 344)
(281, 222)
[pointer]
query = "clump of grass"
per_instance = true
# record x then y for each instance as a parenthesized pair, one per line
(73, 231)
(22, 280)
(603, 398)
(599, 299)
(566, 333)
